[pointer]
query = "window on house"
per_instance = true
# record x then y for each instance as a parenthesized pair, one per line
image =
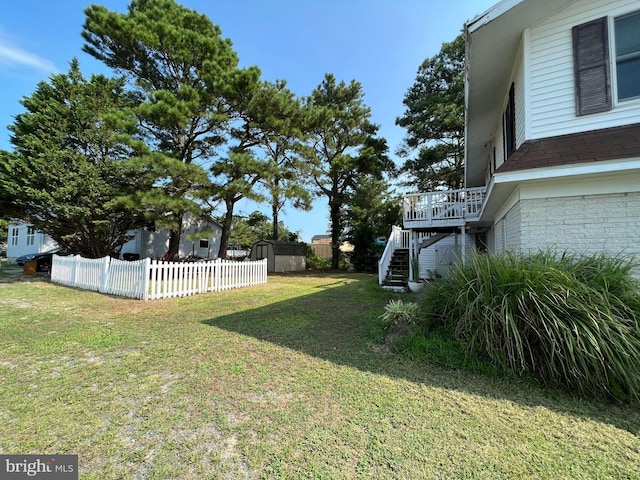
(627, 48)
(509, 124)
(591, 67)
(31, 235)
(204, 243)
(15, 233)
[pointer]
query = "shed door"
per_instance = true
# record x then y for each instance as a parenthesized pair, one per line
(262, 251)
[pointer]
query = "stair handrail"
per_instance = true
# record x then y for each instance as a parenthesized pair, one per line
(394, 242)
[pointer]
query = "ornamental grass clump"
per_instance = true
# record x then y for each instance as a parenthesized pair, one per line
(568, 320)
(397, 312)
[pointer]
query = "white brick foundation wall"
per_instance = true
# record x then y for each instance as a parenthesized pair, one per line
(589, 224)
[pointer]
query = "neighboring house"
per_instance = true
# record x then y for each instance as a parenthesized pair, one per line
(281, 256)
(24, 239)
(552, 138)
(321, 246)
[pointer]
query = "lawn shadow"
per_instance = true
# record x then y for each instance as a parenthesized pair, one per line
(337, 323)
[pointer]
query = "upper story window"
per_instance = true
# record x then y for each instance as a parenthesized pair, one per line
(627, 48)
(31, 235)
(15, 234)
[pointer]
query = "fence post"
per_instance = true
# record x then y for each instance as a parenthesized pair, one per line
(216, 276)
(74, 270)
(264, 270)
(104, 278)
(146, 274)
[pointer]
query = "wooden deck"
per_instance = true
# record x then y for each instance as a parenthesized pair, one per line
(447, 208)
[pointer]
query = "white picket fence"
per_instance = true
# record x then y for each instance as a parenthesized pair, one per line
(150, 279)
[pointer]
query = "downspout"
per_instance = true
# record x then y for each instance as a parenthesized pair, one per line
(467, 50)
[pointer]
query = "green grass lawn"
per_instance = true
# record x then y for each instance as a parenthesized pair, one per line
(283, 380)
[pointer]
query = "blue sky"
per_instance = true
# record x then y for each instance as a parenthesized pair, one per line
(379, 43)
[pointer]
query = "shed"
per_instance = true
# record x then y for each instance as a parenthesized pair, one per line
(281, 256)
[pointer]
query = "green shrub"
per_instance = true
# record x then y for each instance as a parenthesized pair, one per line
(569, 320)
(317, 263)
(397, 312)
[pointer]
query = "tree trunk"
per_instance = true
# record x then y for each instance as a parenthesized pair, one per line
(334, 215)
(226, 229)
(174, 240)
(274, 216)
(275, 208)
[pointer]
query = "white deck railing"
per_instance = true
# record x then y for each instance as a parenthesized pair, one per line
(442, 206)
(148, 279)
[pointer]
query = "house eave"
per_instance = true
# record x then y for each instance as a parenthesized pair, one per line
(492, 43)
(492, 13)
(503, 185)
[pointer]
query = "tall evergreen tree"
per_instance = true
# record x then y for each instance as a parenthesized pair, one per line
(187, 79)
(245, 231)
(434, 119)
(235, 179)
(342, 147)
(283, 125)
(267, 128)
(372, 211)
(67, 171)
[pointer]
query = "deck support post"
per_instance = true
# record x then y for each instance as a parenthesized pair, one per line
(412, 249)
(464, 244)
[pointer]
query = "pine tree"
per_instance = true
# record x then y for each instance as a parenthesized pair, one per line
(68, 171)
(187, 79)
(342, 147)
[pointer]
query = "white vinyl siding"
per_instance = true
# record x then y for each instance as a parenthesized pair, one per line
(499, 145)
(520, 97)
(491, 240)
(512, 239)
(24, 239)
(508, 230)
(552, 93)
(498, 236)
(441, 255)
(518, 80)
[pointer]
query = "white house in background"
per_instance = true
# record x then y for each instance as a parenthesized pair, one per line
(23, 239)
(552, 134)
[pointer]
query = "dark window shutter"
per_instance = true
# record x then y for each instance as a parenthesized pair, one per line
(510, 124)
(591, 65)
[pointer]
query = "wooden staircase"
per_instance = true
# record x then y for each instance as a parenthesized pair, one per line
(398, 271)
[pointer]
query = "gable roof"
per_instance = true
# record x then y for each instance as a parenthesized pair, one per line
(492, 43)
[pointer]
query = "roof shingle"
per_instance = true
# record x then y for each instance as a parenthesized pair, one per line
(593, 146)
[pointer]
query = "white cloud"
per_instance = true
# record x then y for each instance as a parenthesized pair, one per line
(16, 56)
